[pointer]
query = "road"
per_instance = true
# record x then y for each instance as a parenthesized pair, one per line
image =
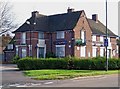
(12, 77)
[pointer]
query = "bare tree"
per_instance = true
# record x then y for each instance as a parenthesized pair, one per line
(6, 18)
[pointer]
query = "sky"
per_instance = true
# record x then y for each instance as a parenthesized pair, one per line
(23, 8)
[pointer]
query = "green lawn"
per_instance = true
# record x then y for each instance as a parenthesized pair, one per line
(64, 74)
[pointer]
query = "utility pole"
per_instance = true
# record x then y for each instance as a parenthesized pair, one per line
(106, 39)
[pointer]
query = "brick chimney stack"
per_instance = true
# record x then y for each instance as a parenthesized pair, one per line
(95, 17)
(35, 14)
(69, 10)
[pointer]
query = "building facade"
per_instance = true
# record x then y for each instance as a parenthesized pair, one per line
(70, 33)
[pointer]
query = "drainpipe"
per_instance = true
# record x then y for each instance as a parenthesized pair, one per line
(51, 41)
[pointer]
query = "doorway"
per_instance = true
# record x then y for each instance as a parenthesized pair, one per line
(41, 52)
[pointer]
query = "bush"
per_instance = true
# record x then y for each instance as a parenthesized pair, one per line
(48, 63)
(67, 63)
(50, 55)
(15, 59)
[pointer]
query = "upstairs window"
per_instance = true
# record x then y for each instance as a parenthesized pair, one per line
(83, 36)
(60, 34)
(10, 46)
(94, 38)
(101, 39)
(41, 35)
(23, 38)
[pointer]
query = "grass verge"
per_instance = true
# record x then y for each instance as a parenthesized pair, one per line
(65, 74)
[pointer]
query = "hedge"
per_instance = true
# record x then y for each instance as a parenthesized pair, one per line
(67, 63)
(34, 63)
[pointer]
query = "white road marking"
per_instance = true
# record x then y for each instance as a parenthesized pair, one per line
(0, 87)
(48, 83)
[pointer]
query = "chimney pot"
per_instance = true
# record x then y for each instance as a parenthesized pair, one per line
(35, 14)
(95, 17)
(69, 10)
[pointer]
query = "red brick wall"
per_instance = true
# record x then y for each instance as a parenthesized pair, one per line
(114, 45)
(17, 38)
(83, 24)
(34, 41)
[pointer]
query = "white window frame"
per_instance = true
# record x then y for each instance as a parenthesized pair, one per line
(60, 34)
(62, 55)
(109, 43)
(94, 38)
(23, 38)
(16, 50)
(10, 46)
(94, 53)
(83, 36)
(24, 52)
(102, 50)
(101, 39)
(83, 51)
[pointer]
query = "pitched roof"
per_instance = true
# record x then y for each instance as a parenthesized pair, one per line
(99, 28)
(65, 21)
(59, 22)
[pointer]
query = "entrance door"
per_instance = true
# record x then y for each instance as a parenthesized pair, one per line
(41, 52)
(24, 53)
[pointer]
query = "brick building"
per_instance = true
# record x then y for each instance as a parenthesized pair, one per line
(70, 33)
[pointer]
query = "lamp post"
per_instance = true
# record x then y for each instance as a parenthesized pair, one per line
(28, 22)
(31, 24)
(106, 39)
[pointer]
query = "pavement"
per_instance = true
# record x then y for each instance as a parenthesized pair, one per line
(12, 77)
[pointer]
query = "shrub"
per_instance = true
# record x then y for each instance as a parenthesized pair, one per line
(67, 63)
(15, 59)
(70, 62)
(48, 63)
(50, 55)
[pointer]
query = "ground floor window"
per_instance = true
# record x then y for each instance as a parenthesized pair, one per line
(16, 50)
(108, 53)
(94, 51)
(83, 51)
(24, 53)
(60, 50)
(102, 52)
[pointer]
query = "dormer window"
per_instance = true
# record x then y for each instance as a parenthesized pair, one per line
(60, 34)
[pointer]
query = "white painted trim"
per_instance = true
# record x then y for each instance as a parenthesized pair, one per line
(60, 45)
(82, 51)
(44, 51)
(94, 47)
(102, 49)
(21, 45)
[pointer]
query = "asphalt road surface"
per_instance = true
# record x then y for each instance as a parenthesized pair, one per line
(12, 77)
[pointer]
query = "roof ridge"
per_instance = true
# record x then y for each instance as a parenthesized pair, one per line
(65, 13)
